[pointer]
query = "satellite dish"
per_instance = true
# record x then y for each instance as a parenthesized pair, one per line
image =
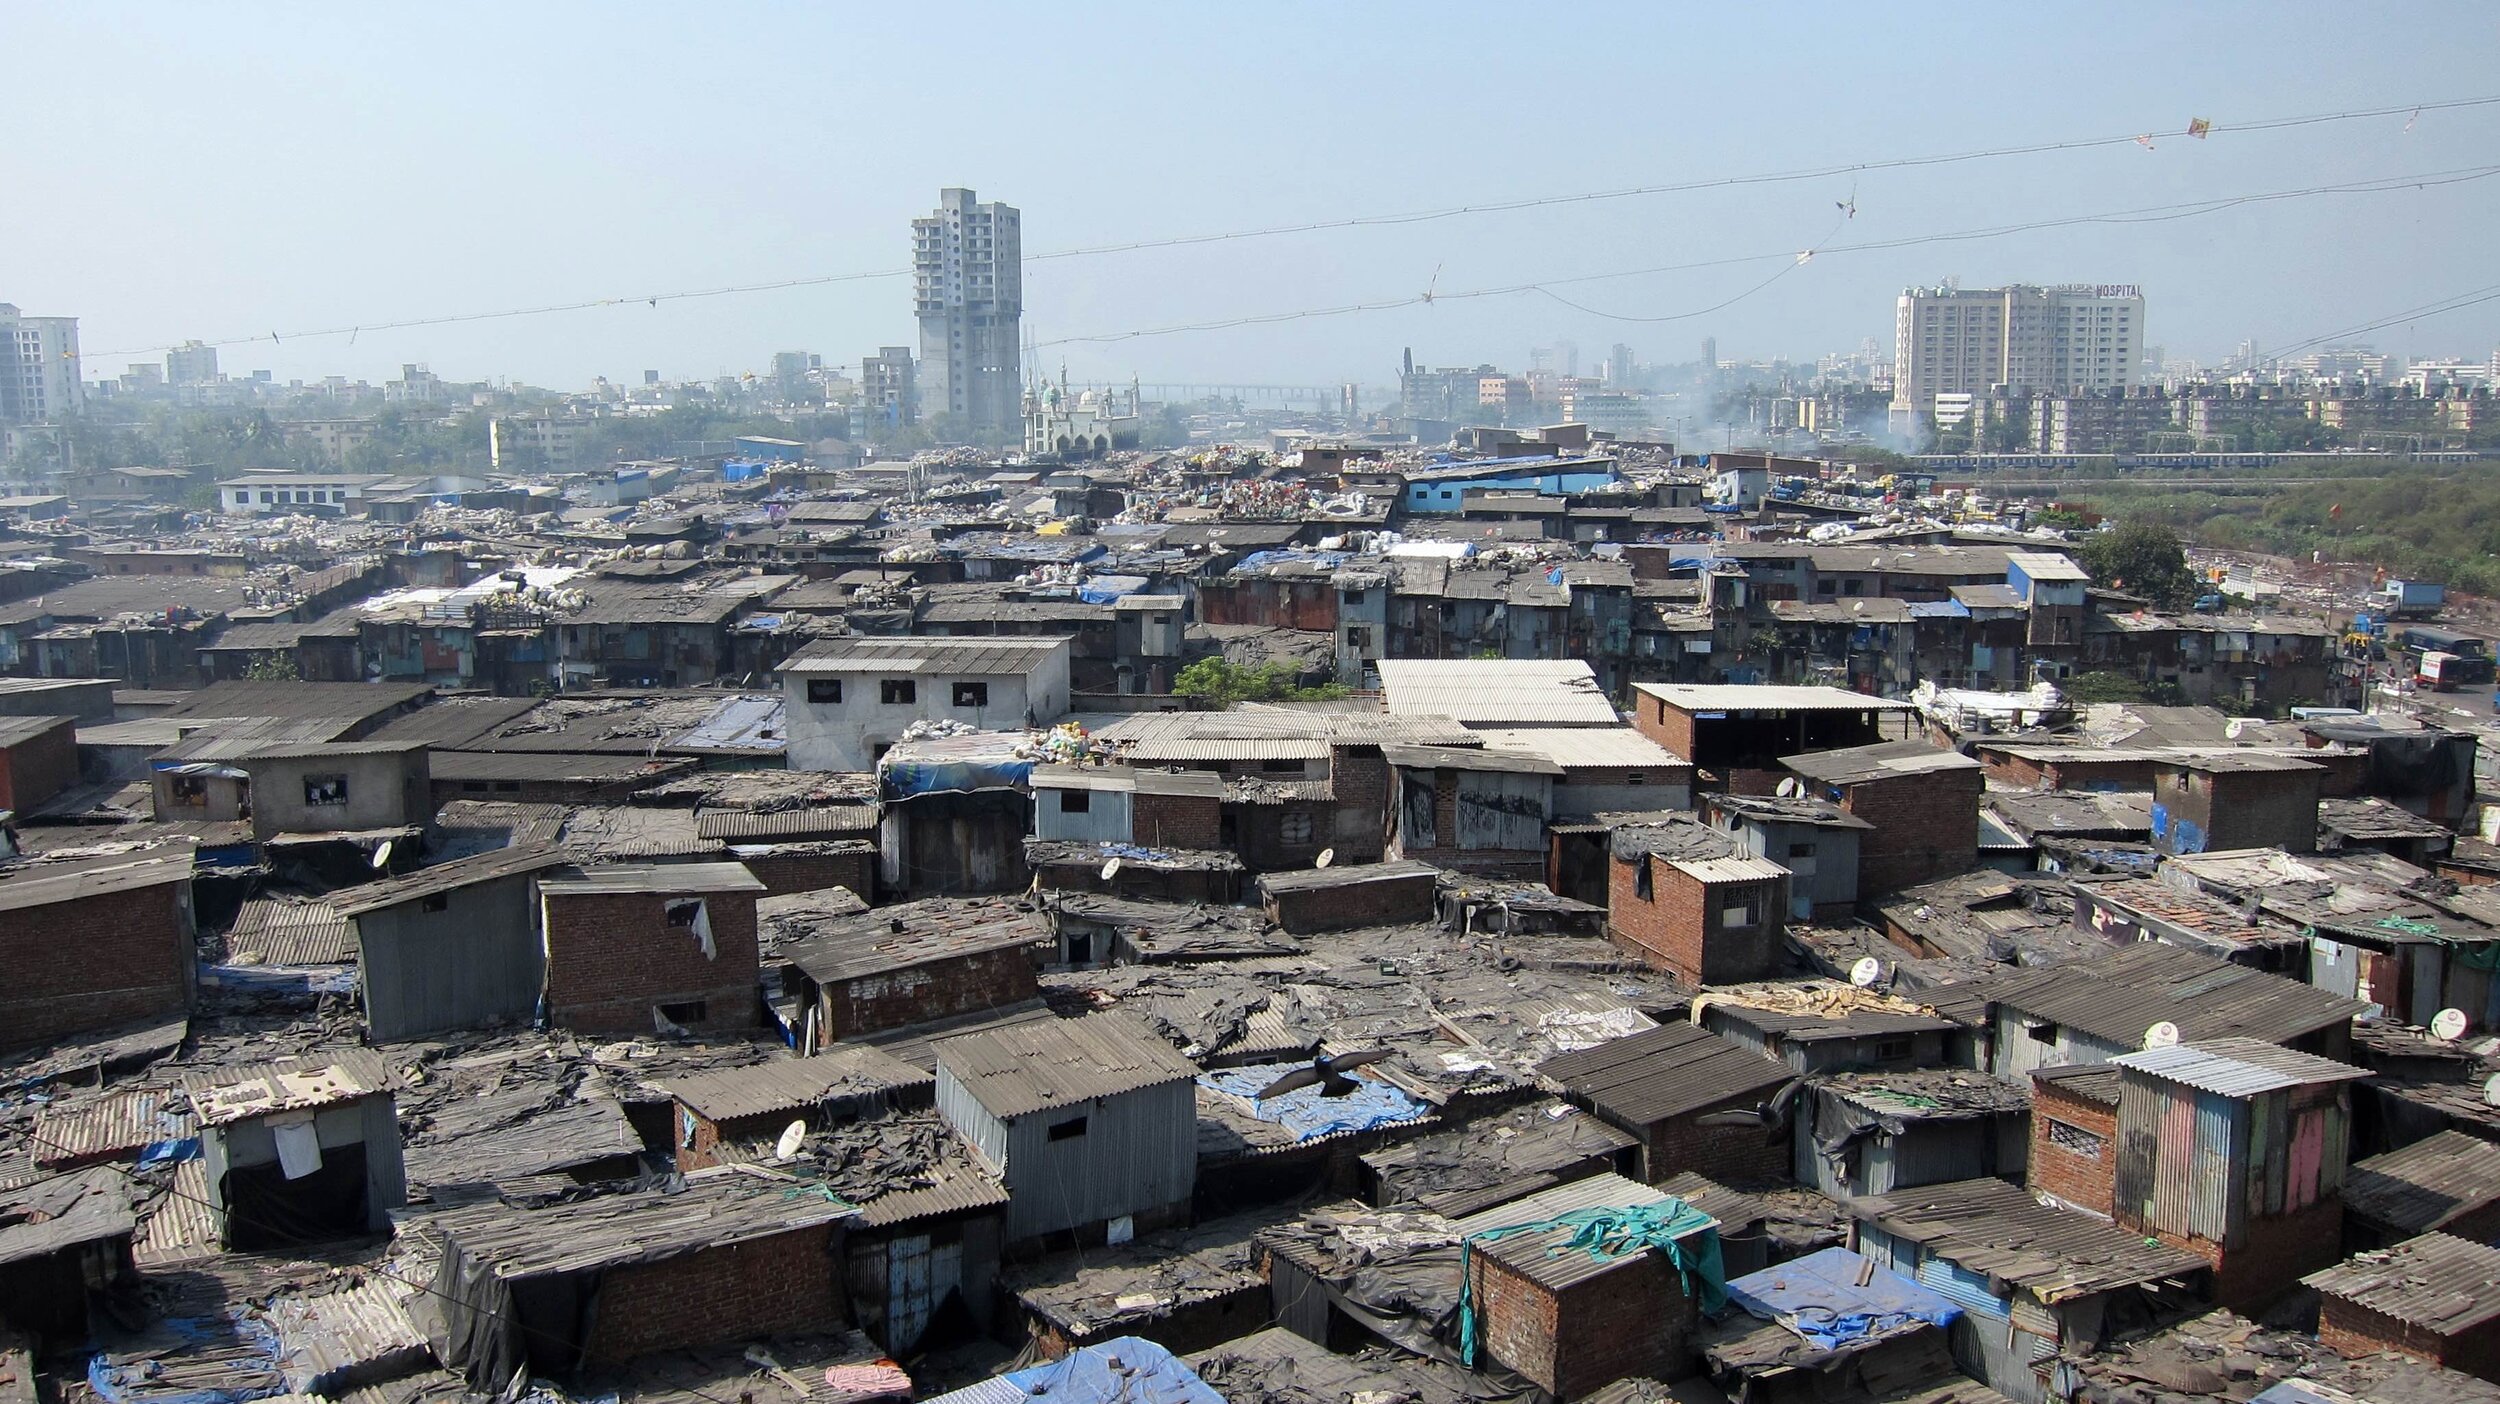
(382, 855)
(1866, 972)
(793, 1136)
(2448, 1025)
(1110, 870)
(2491, 1090)
(1792, 788)
(2162, 1035)
(1326, 857)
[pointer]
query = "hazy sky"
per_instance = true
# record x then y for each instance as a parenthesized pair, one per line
(218, 171)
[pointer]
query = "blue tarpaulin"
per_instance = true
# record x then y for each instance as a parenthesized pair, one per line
(1306, 1113)
(1104, 589)
(1818, 1297)
(1123, 1370)
(983, 761)
(245, 1352)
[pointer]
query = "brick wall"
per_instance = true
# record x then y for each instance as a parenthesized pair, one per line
(2350, 1329)
(939, 990)
(802, 871)
(612, 957)
(1361, 781)
(1176, 821)
(1926, 827)
(94, 962)
(2076, 1178)
(1663, 724)
(767, 1286)
(2279, 1252)
(1731, 1155)
(1633, 1321)
(40, 767)
(1673, 929)
(1391, 902)
(2012, 772)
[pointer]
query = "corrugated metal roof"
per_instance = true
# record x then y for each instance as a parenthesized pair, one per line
(793, 1084)
(1586, 747)
(715, 1208)
(956, 1189)
(1664, 1072)
(281, 931)
(887, 939)
(65, 1212)
(1881, 761)
(180, 1226)
(2439, 1282)
(812, 821)
(2426, 1185)
(17, 731)
(43, 884)
(1714, 870)
(654, 877)
(111, 1126)
(444, 877)
(913, 654)
(1536, 1255)
(2237, 1067)
(552, 765)
(1764, 697)
(1031, 1067)
(2001, 1233)
(1344, 875)
(226, 1095)
(1562, 691)
(1515, 762)
(2116, 997)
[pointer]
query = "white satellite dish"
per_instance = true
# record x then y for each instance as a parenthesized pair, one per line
(793, 1136)
(2162, 1035)
(2491, 1090)
(1792, 788)
(1866, 972)
(1326, 857)
(382, 855)
(2448, 1025)
(1110, 870)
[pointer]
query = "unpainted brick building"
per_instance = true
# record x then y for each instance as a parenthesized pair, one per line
(639, 948)
(95, 943)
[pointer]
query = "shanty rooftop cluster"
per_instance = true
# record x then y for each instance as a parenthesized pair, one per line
(1620, 924)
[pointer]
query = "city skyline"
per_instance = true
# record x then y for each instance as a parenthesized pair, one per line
(624, 189)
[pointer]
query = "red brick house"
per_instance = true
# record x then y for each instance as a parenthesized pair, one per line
(1680, 898)
(1923, 804)
(636, 947)
(95, 942)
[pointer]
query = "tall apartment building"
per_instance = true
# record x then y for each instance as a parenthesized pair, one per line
(191, 363)
(889, 391)
(38, 368)
(968, 277)
(2053, 340)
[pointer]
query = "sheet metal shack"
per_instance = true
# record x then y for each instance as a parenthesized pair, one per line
(454, 946)
(1092, 1123)
(2095, 1009)
(2033, 1282)
(62, 1239)
(302, 1149)
(735, 1255)
(2235, 1150)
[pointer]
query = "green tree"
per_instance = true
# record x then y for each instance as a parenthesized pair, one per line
(1221, 684)
(2142, 558)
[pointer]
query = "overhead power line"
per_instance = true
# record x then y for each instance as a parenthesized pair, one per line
(1792, 259)
(654, 299)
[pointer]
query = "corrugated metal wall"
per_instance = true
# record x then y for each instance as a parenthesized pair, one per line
(1139, 1152)
(478, 961)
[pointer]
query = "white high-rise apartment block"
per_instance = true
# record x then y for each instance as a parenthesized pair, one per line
(2060, 340)
(968, 277)
(38, 368)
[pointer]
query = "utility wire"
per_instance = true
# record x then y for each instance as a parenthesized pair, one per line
(654, 299)
(2440, 307)
(1791, 259)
